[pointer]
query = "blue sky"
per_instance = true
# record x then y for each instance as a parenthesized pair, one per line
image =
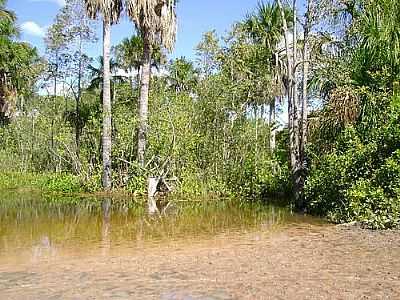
(195, 17)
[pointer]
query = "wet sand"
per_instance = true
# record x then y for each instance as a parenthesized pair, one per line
(294, 262)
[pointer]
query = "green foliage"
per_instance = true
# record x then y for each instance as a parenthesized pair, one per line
(61, 183)
(355, 141)
(46, 182)
(16, 180)
(200, 132)
(262, 179)
(379, 49)
(370, 205)
(19, 66)
(360, 179)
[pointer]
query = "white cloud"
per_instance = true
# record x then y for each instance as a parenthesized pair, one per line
(32, 28)
(59, 2)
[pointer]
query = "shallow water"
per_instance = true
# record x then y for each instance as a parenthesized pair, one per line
(94, 248)
(35, 227)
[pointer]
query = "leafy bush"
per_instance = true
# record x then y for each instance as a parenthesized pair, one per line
(359, 180)
(370, 205)
(64, 183)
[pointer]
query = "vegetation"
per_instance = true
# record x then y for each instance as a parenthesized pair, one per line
(212, 123)
(19, 66)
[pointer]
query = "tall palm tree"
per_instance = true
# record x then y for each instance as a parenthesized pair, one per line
(155, 20)
(265, 28)
(111, 11)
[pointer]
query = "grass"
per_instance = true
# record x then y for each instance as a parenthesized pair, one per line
(63, 183)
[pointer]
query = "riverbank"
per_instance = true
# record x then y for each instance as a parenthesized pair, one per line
(70, 189)
(69, 185)
(294, 262)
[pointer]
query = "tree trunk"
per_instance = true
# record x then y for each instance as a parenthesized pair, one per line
(295, 137)
(292, 100)
(144, 102)
(295, 98)
(132, 80)
(54, 101)
(139, 76)
(272, 120)
(152, 185)
(304, 108)
(106, 140)
(77, 106)
(256, 137)
(291, 108)
(304, 102)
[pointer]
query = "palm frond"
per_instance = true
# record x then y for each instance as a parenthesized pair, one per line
(155, 18)
(111, 10)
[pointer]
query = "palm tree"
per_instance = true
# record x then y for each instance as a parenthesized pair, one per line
(111, 11)
(155, 20)
(183, 76)
(265, 28)
(96, 74)
(129, 55)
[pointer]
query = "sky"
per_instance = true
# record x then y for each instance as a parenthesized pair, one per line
(194, 18)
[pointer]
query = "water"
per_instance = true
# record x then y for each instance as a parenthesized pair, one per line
(102, 248)
(34, 227)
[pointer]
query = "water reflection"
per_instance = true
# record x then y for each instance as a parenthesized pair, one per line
(44, 248)
(53, 226)
(105, 228)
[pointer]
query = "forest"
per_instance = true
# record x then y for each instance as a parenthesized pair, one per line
(298, 103)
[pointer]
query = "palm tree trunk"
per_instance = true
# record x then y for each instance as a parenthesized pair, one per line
(291, 108)
(256, 137)
(106, 140)
(78, 103)
(271, 121)
(296, 132)
(292, 100)
(304, 109)
(54, 101)
(132, 80)
(144, 101)
(295, 136)
(301, 172)
(304, 104)
(139, 75)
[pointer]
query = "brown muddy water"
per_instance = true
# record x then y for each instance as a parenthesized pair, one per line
(56, 248)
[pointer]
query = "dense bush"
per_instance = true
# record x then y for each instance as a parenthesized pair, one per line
(62, 183)
(359, 180)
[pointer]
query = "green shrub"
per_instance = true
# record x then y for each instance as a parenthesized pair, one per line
(359, 180)
(388, 175)
(368, 204)
(63, 183)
